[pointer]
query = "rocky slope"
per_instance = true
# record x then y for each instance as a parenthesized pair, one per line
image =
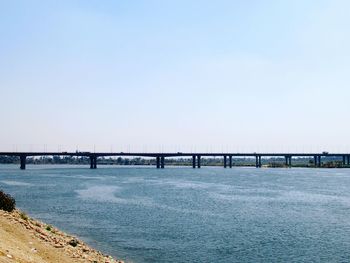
(23, 239)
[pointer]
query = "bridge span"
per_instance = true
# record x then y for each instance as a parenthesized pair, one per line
(196, 157)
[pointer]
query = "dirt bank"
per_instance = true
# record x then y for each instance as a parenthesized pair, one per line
(23, 239)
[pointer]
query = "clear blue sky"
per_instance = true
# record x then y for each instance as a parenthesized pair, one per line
(175, 75)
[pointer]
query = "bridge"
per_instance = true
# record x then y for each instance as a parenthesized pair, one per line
(196, 157)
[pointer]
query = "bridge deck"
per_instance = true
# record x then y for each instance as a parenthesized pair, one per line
(169, 154)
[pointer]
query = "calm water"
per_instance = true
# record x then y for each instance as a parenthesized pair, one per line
(186, 215)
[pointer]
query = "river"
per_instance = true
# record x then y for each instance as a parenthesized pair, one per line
(143, 214)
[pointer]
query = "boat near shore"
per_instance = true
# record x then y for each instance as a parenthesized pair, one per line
(24, 239)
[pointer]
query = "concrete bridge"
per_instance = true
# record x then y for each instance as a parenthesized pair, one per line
(196, 157)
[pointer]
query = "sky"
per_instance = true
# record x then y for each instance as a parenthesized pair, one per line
(161, 75)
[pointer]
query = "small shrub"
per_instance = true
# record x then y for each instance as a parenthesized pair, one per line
(73, 242)
(23, 216)
(48, 228)
(7, 202)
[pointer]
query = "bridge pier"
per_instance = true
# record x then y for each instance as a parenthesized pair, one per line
(348, 160)
(23, 162)
(93, 162)
(288, 161)
(230, 161)
(258, 161)
(193, 161)
(158, 162)
(319, 161)
(162, 162)
(225, 161)
(198, 161)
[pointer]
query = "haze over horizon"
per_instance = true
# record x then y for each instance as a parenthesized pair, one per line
(175, 75)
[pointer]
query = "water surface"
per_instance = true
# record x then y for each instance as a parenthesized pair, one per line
(143, 214)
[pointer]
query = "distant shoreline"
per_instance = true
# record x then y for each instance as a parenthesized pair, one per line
(270, 165)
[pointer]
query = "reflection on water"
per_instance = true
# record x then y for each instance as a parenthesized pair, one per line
(187, 215)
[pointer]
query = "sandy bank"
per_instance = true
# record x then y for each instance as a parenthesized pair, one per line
(24, 239)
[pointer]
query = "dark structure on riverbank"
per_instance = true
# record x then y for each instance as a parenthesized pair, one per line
(196, 157)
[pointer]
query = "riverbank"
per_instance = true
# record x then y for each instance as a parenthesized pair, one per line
(25, 240)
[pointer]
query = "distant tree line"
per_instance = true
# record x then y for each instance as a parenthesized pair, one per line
(268, 162)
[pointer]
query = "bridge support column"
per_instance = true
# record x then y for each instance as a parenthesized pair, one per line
(315, 160)
(198, 161)
(288, 161)
(344, 160)
(319, 161)
(91, 162)
(95, 162)
(158, 162)
(348, 160)
(162, 162)
(23, 162)
(193, 161)
(225, 161)
(230, 161)
(260, 161)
